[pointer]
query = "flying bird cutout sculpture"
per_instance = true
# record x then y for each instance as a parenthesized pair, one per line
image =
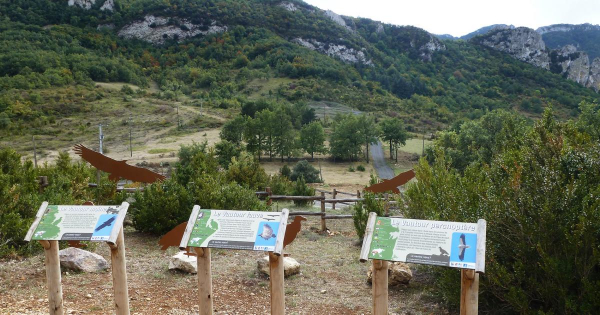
(117, 169)
(392, 184)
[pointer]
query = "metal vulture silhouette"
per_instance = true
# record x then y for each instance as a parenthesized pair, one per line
(392, 184)
(117, 169)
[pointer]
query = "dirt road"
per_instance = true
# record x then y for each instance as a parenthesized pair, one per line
(383, 169)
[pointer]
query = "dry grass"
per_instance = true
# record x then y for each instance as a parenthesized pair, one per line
(333, 173)
(329, 262)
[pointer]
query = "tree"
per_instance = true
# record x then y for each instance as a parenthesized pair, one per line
(345, 139)
(233, 130)
(393, 131)
(368, 132)
(225, 151)
(284, 136)
(312, 138)
(254, 136)
(303, 169)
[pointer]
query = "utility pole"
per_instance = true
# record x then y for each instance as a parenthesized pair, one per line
(129, 121)
(34, 152)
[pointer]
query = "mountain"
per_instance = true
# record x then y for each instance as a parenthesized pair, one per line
(528, 45)
(487, 29)
(585, 37)
(226, 53)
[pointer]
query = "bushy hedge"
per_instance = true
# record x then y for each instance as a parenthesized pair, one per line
(198, 181)
(541, 200)
(362, 210)
(20, 197)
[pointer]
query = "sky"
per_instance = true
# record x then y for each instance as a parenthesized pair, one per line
(460, 17)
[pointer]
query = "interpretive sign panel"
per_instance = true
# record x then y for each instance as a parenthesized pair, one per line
(450, 244)
(80, 223)
(250, 230)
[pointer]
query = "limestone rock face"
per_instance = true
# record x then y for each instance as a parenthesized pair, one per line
(81, 260)
(522, 43)
(348, 55)
(157, 30)
(183, 262)
(87, 4)
(594, 77)
(338, 19)
(427, 50)
(290, 266)
(288, 6)
(398, 273)
(574, 63)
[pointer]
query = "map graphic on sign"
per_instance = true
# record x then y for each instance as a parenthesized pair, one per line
(81, 223)
(440, 243)
(251, 230)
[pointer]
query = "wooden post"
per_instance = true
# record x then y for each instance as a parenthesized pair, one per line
(276, 275)
(204, 281)
(323, 225)
(119, 275)
(469, 292)
(358, 194)
(334, 194)
(53, 278)
(380, 287)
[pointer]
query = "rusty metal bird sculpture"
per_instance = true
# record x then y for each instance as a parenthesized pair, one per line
(117, 169)
(392, 184)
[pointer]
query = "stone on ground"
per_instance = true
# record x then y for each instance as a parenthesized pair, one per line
(183, 262)
(81, 260)
(290, 266)
(398, 273)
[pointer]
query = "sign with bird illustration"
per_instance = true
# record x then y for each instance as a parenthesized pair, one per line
(78, 223)
(450, 244)
(251, 230)
(117, 169)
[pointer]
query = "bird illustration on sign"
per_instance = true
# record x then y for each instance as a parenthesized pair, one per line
(117, 169)
(106, 223)
(443, 252)
(462, 246)
(267, 232)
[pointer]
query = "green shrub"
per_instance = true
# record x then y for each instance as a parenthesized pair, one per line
(280, 185)
(350, 169)
(301, 189)
(541, 201)
(362, 210)
(360, 168)
(161, 206)
(304, 169)
(285, 171)
(247, 172)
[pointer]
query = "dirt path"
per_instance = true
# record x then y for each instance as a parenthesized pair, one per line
(383, 169)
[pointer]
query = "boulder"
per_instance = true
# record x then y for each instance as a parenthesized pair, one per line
(290, 266)
(183, 262)
(82, 260)
(398, 273)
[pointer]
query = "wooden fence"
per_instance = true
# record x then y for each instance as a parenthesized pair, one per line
(266, 194)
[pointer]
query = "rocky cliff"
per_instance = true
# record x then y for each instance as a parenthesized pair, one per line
(527, 45)
(87, 4)
(157, 30)
(522, 43)
(345, 54)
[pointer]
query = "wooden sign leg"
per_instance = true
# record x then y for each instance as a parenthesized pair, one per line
(380, 287)
(276, 275)
(469, 292)
(52, 261)
(119, 275)
(204, 281)
(323, 225)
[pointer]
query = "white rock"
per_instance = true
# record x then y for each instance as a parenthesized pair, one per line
(349, 55)
(288, 6)
(290, 266)
(398, 273)
(81, 260)
(522, 43)
(184, 263)
(155, 29)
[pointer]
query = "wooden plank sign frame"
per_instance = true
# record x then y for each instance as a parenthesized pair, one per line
(449, 244)
(250, 230)
(94, 225)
